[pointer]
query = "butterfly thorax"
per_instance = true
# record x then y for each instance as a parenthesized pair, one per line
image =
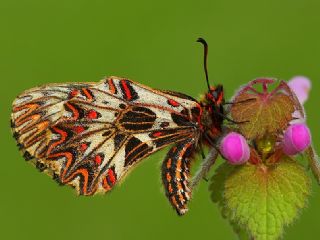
(213, 111)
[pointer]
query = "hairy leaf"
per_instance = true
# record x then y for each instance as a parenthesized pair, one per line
(261, 200)
(263, 112)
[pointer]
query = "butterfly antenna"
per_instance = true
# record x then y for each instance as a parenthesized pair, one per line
(205, 57)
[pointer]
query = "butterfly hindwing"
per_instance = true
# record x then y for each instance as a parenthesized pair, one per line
(89, 135)
(175, 174)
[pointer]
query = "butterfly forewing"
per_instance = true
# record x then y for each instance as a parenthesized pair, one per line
(89, 135)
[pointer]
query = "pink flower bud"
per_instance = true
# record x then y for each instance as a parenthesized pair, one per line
(296, 139)
(300, 86)
(234, 148)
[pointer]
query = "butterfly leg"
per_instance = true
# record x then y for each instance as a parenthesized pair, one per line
(175, 175)
(240, 102)
(229, 119)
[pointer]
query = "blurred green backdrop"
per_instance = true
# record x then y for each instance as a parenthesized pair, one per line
(152, 42)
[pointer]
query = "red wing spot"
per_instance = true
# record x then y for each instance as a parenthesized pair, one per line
(63, 137)
(169, 163)
(112, 87)
(98, 159)
(173, 103)
(78, 129)
(92, 114)
(83, 146)
(105, 184)
(168, 177)
(126, 90)
(87, 93)
(170, 189)
(112, 176)
(74, 110)
(157, 134)
(73, 93)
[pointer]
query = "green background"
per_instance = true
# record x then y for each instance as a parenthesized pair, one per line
(152, 42)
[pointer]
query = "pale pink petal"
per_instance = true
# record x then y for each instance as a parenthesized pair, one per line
(301, 87)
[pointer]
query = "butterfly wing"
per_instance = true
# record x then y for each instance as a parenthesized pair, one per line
(89, 135)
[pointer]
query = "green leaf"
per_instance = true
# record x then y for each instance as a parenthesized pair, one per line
(261, 200)
(217, 190)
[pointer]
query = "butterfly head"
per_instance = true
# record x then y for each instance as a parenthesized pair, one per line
(215, 96)
(213, 110)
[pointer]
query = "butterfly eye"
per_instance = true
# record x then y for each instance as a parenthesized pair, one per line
(215, 94)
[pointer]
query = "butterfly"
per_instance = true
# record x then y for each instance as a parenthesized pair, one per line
(89, 135)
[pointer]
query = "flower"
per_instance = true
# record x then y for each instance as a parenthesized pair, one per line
(300, 86)
(264, 117)
(234, 148)
(296, 139)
